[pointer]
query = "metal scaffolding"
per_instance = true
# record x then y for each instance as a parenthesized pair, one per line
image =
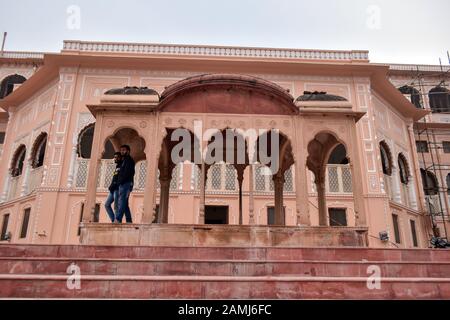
(428, 132)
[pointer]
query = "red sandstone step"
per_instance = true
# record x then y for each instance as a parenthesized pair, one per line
(201, 287)
(215, 253)
(95, 266)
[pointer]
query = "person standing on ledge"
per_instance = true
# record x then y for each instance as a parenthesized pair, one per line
(114, 189)
(125, 182)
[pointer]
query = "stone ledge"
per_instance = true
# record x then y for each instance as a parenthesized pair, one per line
(222, 235)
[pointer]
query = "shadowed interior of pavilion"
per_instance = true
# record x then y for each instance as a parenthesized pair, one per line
(155, 228)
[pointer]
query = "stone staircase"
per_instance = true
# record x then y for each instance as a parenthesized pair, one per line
(29, 271)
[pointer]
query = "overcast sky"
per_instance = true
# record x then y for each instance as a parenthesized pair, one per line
(402, 31)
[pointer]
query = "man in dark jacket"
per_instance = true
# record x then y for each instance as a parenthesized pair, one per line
(114, 189)
(125, 182)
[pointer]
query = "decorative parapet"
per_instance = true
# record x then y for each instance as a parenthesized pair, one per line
(21, 55)
(420, 67)
(214, 51)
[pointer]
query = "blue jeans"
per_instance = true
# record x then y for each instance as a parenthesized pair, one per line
(112, 197)
(124, 194)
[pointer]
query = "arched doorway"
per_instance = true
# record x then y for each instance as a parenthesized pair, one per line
(226, 160)
(329, 162)
(179, 145)
(274, 151)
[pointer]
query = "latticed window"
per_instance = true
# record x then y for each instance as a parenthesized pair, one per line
(175, 177)
(333, 179)
(260, 178)
(82, 170)
(174, 182)
(141, 174)
(197, 178)
(230, 178)
(215, 176)
(347, 179)
(339, 179)
(110, 166)
(264, 179)
(221, 177)
(289, 180)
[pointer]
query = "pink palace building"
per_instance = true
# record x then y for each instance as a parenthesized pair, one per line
(364, 148)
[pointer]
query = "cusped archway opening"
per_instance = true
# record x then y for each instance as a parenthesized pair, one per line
(38, 151)
(439, 99)
(129, 137)
(84, 146)
(18, 161)
(8, 84)
(179, 146)
(329, 163)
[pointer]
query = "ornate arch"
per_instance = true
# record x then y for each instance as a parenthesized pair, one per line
(320, 148)
(386, 158)
(37, 154)
(90, 126)
(286, 156)
(136, 139)
(439, 98)
(430, 182)
(403, 168)
(227, 93)
(18, 160)
(5, 85)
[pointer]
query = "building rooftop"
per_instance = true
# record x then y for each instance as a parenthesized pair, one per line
(213, 51)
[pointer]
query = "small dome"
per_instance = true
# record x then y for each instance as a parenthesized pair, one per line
(439, 89)
(408, 90)
(132, 91)
(319, 96)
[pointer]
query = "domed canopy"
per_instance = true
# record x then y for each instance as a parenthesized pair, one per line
(439, 89)
(319, 96)
(227, 93)
(408, 90)
(439, 99)
(132, 91)
(415, 95)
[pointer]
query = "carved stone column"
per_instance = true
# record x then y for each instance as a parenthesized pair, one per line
(412, 193)
(73, 159)
(150, 191)
(94, 165)
(300, 175)
(357, 180)
(251, 202)
(6, 187)
(240, 178)
(279, 206)
(164, 200)
(396, 185)
(321, 199)
(201, 217)
(26, 178)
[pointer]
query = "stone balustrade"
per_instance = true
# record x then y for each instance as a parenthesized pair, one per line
(217, 51)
